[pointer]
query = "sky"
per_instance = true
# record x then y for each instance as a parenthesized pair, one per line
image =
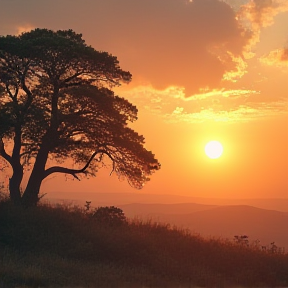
(202, 70)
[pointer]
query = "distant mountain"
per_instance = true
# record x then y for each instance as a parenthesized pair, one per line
(102, 199)
(140, 209)
(219, 221)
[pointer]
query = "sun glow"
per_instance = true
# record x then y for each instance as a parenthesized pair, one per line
(213, 149)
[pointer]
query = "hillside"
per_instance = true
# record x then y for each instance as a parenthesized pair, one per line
(63, 247)
(224, 218)
(219, 221)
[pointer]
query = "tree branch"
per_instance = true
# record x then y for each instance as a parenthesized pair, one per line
(26, 89)
(74, 172)
(28, 152)
(65, 81)
(13, 97)
(3, 153)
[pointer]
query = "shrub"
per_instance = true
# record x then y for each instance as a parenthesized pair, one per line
(112, 216)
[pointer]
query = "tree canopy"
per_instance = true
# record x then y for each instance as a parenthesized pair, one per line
(56, 102)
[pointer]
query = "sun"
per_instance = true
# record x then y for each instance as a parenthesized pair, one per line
(213, 149)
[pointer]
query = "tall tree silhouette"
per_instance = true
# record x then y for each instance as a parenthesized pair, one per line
(56, 103)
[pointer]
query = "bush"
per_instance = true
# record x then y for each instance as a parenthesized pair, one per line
(112, 216)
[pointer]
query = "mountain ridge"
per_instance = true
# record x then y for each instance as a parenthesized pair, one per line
(107, 199)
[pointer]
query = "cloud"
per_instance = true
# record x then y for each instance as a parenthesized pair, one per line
(278, 58)
(243, 113)
(262, 12)
(15, 29)
(257, 14)
(24, 28)
(237, 105)
(198, 45)
(240, 93)
(178, 111)
(195, 45)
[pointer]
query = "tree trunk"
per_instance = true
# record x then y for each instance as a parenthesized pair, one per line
(14, 183)
(30, 195)
(17, 168)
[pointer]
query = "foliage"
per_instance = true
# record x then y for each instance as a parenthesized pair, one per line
(56, 103)
(112, 215)
(61, 247)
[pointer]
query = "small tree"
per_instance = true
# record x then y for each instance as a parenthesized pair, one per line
(109, 215)
(56, 103)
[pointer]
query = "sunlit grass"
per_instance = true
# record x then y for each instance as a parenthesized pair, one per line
(67, 247)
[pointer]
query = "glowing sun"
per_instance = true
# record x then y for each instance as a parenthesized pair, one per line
(213, 149)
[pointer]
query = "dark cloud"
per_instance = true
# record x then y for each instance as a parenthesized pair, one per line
(181, 43)
(163, 42)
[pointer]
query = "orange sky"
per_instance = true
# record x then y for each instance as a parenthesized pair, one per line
(202, 70)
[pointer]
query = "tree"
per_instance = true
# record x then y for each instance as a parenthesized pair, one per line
(109, 215)
(56, 103)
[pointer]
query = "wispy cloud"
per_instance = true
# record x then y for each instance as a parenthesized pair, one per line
(224, 93)
(242, 113)
(238, 105)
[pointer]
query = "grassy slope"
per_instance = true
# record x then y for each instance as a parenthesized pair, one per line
(58, 247)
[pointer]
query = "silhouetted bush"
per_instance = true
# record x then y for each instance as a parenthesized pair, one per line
(112, 215)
